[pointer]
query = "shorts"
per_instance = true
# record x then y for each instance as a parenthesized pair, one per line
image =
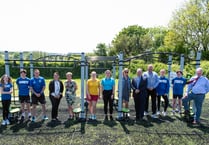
(40, 99)
(93, 98)
(177, 96)
(24, 99)
(70, 99)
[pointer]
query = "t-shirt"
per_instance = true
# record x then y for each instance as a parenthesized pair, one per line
(163, 86)
(93, 86)
(37, 84)
(23, 86)
(6, 88)
(108, 83)
(178, 85)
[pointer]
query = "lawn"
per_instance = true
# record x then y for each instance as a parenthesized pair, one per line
(170, 130)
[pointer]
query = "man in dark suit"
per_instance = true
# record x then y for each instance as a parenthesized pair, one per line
(139, 86)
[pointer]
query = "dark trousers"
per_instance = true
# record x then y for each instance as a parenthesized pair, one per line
(153, 98)
(6, 105)
(165, 97)
(108, 100)
(139, 102)
(55, 105)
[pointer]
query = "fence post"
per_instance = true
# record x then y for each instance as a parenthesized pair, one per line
(82, 114)
(169, 70)
(182, 62)
(21, 60)
(198, 57)
(120, 73)
(31, 65)
(114, 70)
(6, 61)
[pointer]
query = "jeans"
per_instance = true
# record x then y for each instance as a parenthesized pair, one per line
(198, 100)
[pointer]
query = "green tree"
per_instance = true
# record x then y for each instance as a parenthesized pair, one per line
(130, 40)
(190, 25)
(101, 49)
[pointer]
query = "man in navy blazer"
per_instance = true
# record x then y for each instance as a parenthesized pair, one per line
(139, 86)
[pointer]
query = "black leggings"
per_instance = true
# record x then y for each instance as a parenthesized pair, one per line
(165, 97)
(6, 105)
(107, 99)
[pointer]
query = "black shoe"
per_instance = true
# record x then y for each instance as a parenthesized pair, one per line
(106, 118)
(111, 118)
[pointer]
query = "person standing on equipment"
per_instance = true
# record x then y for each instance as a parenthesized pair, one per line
(108, 90)
(23, 84)
(197, 88)
(93, 94)
(37, 86)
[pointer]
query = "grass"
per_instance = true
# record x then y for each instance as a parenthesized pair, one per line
(170, 130)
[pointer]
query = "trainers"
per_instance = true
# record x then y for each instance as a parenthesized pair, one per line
(158, 112)
(22, 118)
(33, 119)
(145, 113)
(164, 113)
(106, 117)
(29, 115)
(173, 112)
(111, 118)
(7, 122)
(3, 122)
(45, 117)
(154, 116)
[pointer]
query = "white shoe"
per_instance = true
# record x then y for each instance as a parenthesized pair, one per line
(4, 122)
(7, 122)
(173, 112)
(164, 113)
(158, 112)
(154, 116)
(145, 113)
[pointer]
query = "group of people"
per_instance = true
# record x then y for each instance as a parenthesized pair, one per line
(145, 84)
(149, 84)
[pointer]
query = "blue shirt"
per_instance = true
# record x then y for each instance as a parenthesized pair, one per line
(23, 86)
(6, 88)
(199, 87)
(163, 86)
(37, 84)
(152, 79)
(178, 85)
(108, 83)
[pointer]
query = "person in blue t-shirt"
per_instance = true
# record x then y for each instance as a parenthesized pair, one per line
(6, 89)
(23, 84)
(108, 89)
(162, 90)
(37, 85)
(178, 89)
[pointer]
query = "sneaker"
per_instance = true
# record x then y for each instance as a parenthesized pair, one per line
(106, 117)
(145, 113)
(173, 112)
(45, 117)
(158, 112)
(164, 113)
(94, 117)
(154, 116)
(22, 118)
(29, 115)
(33, 119)
(111, 118)
(4, 122)
(7, 122)
(70, 117)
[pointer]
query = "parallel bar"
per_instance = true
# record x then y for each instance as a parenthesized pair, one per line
(21, 60)
(169, 70)
(182, 62)
(198, 57)
(31, 65)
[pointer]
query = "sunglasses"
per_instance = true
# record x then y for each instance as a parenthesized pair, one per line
(126, 72)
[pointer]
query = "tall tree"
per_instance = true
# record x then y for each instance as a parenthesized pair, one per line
(190, 24)
(101, 49)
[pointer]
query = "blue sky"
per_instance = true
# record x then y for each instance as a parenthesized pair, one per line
(64, 26)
